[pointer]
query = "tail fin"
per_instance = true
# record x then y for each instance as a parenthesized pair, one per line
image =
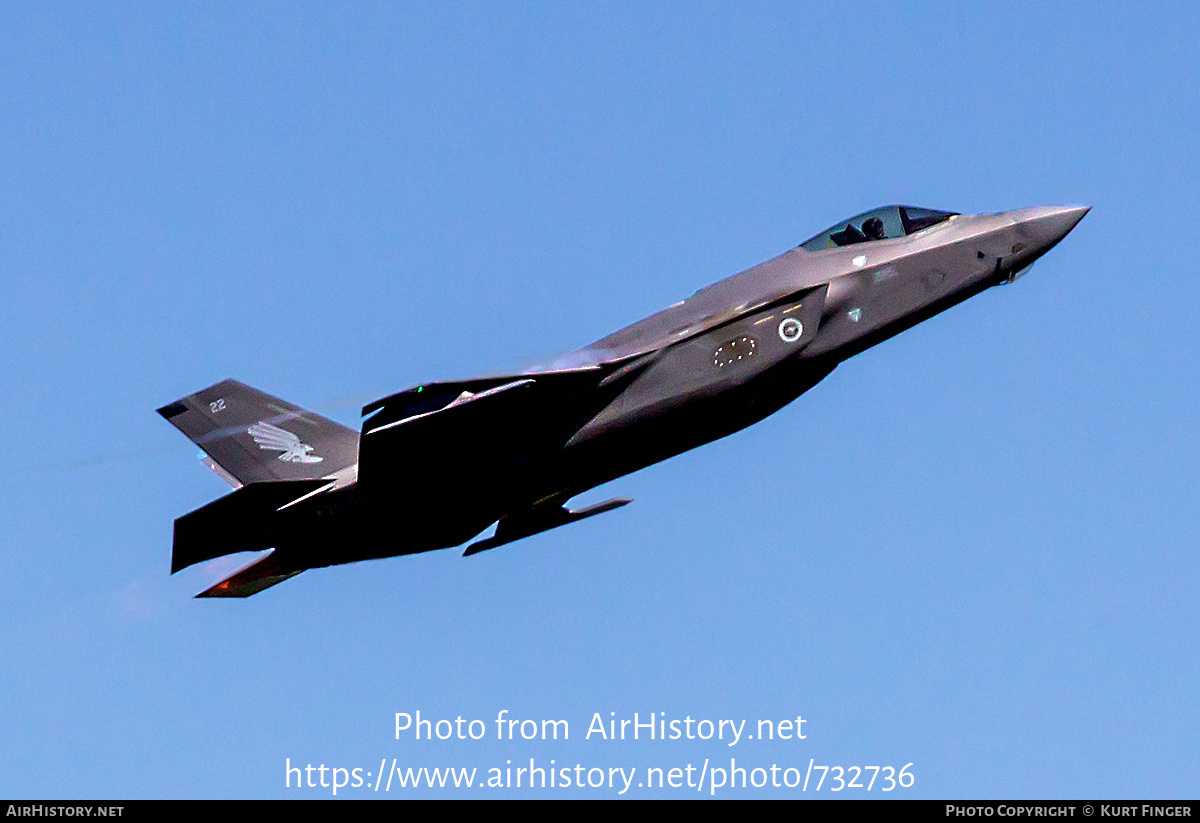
(251, 437)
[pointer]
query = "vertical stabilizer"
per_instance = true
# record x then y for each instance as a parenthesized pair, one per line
(253, 437)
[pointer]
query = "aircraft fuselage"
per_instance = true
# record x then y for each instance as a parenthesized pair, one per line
(438, 463)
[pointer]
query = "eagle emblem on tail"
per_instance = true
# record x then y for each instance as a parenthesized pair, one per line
(269, 436)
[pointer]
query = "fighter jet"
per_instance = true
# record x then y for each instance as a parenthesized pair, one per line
(439, 463)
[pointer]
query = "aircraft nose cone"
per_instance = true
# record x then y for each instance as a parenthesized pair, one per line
(1049, 224)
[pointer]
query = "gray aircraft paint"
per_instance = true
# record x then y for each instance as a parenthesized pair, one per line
(437, 464)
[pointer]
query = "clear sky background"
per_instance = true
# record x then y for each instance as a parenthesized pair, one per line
(972, 548)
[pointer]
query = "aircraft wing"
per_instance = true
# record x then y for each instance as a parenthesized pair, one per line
(449, 433)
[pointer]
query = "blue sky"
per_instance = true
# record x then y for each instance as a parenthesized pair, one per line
(972, 548)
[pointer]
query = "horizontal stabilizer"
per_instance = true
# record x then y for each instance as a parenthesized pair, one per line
(237, 522)
(525, 524)
(261, 574)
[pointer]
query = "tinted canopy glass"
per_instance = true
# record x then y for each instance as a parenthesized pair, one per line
(879, 224)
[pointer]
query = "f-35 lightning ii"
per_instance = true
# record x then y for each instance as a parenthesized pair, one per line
(437, 464)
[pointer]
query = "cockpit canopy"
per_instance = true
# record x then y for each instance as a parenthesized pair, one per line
(883, 223)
